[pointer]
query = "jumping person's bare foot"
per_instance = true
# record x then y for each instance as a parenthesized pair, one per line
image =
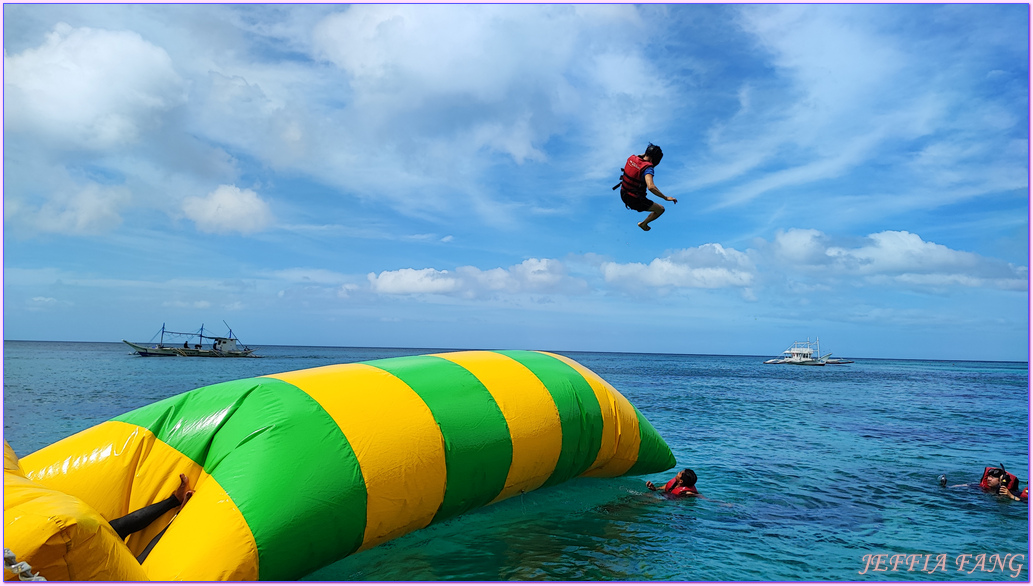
(644, 226)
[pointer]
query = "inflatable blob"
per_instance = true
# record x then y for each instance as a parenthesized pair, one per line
(294, 471)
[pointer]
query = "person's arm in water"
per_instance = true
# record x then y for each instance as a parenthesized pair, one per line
(655, 190)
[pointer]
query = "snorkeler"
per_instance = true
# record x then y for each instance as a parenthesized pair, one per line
(996, 480)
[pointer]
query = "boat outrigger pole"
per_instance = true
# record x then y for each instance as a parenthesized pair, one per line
(232, 337)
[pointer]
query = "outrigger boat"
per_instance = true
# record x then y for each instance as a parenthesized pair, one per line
(220, 346)
(803, 354)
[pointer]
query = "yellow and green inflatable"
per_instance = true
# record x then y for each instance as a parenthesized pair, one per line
(294, 471)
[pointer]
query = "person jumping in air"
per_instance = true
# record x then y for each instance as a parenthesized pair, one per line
(636, 178)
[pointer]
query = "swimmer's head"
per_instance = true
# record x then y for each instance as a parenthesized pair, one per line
(688, 477)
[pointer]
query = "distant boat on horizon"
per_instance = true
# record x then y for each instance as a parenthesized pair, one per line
(221, 346)
(803, 354)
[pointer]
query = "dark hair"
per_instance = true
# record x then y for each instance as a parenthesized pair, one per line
(690, 476)
(654, 153)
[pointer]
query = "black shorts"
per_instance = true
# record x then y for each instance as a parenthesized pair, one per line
(639, 204)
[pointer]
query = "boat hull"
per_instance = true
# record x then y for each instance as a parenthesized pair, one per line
(194, 352)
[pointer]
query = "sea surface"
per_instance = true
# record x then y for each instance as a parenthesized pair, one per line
(808, 473)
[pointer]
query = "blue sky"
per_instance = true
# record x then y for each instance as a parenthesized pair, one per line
(439, 176)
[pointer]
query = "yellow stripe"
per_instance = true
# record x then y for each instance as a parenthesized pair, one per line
(618, 451)
(209, 540)
(530, 412)
(395, 438)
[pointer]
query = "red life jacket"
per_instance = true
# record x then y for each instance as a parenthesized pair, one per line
(678, 490)
(1009, 479)
(633, 180)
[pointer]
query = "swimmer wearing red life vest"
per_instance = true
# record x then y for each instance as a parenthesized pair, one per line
(683, 484)
(997, 480)
(1003, 483)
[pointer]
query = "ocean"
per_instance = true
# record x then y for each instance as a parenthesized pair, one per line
(809, 473)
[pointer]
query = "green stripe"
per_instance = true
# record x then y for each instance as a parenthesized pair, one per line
(581, 420)
(654, 455)
(478, 447)
(281, 458)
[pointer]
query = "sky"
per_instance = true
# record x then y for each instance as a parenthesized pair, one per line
(439, 176)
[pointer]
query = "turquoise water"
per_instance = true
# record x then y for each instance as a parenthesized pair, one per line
(806, 470)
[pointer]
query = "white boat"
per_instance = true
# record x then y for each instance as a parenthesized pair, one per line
(806, 354)
(220, 346)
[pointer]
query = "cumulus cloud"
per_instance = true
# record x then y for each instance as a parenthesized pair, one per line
(801, 246)
(710, 266)
(409, 281)
(89, 88)
(531, 276)
(896, 257)
(228, 209)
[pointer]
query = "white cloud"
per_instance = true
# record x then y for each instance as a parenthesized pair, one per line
(75, 210)
(229, 209)
(187, 304)
(896, 258)
(41, 303)
(89, 88)
(902, 252)
(710, 266)
(346, 290)
(436, 50)
(409, 281)
(428, 82)
(801, 246)
(531, 276)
